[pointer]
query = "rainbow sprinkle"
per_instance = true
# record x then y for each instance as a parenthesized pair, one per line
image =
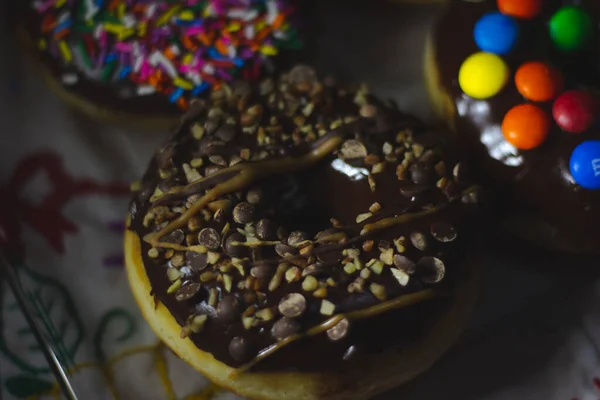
(180, 48)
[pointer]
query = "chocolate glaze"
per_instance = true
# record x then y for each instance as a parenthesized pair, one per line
(306, 200)
(530, 182)
(120, 96)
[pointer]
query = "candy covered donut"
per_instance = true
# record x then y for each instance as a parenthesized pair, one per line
(141, 61)
(517, 80)
(300, 240)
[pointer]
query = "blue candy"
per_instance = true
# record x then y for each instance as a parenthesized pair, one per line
(585, 164)
(496, 33)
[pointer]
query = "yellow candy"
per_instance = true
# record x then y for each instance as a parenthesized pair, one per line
(186, 15)
(182, 83)
(65, 50)
(483, 75)
(268, 50)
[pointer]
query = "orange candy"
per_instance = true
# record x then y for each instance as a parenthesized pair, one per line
(526, 126)
(537, 81)
(525, 9)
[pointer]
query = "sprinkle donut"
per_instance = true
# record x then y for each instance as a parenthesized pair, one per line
(147, 60)
(519, 79)
(304, 240)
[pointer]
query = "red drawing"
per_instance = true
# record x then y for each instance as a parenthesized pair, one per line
(46, 218)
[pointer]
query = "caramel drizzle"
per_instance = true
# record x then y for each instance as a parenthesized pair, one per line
(394, 304)
(244, 175)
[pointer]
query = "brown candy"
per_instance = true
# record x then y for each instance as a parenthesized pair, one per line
(443, 232)
(243, 213)
(431, 269)
(340, 330)
(422, 173)
(296, 238)
(418, 240)
(228, 309)
(235, 250)
(266, 229)
(175, 237)
(240, 349)
(262, 271)
(226, 132)
(188, 291)
(404, 263)
(196, 261)
(285, 327)
(209, 238)
(292, 305)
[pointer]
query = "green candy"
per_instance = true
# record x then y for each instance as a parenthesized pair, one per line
(571, 28)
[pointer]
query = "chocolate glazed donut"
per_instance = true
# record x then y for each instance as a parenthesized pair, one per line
(540, 200)
(301, 240)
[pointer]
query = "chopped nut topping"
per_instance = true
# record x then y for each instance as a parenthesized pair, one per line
(387, 256)
(327, 307)
(309, 283)
(320, 293)
(266, 314)
(173, 274)
(293, 274)
(227, 282)
(378, 168)
(174, 286)
(177, 260)
(368, 245)
(351, 149)
(377, 267)
(399, 243)
(378, 291)
(285, 327)
(278, 277)
(350, 268)
(368, 111)
(365, 273)
(362, 217)
(375, 208)
(401, 276)
(153, 252)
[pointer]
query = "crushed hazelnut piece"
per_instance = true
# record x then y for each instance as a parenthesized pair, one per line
(399, 243)
(375, 208)
(331, 282)
(213, 257)
(365, 273)
(377, 267)
(401, 276)
(327, 307)
(197, 323)
(378, 168)
(228, 282)
(350, 268)
(266, 314)
(196, 162)
(153, 252)
(378, 291)
(212, 297)
(173, 274)
(178, 260)
(309, 284)
(174, 286)
(368, 245)
(371, 182)
(293, 274)
(208, 276)
(387, 256)
(361, 217)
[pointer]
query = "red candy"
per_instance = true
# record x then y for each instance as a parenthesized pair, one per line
(573, 111)
(538, 81)
(526, 126)
(525, 9)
